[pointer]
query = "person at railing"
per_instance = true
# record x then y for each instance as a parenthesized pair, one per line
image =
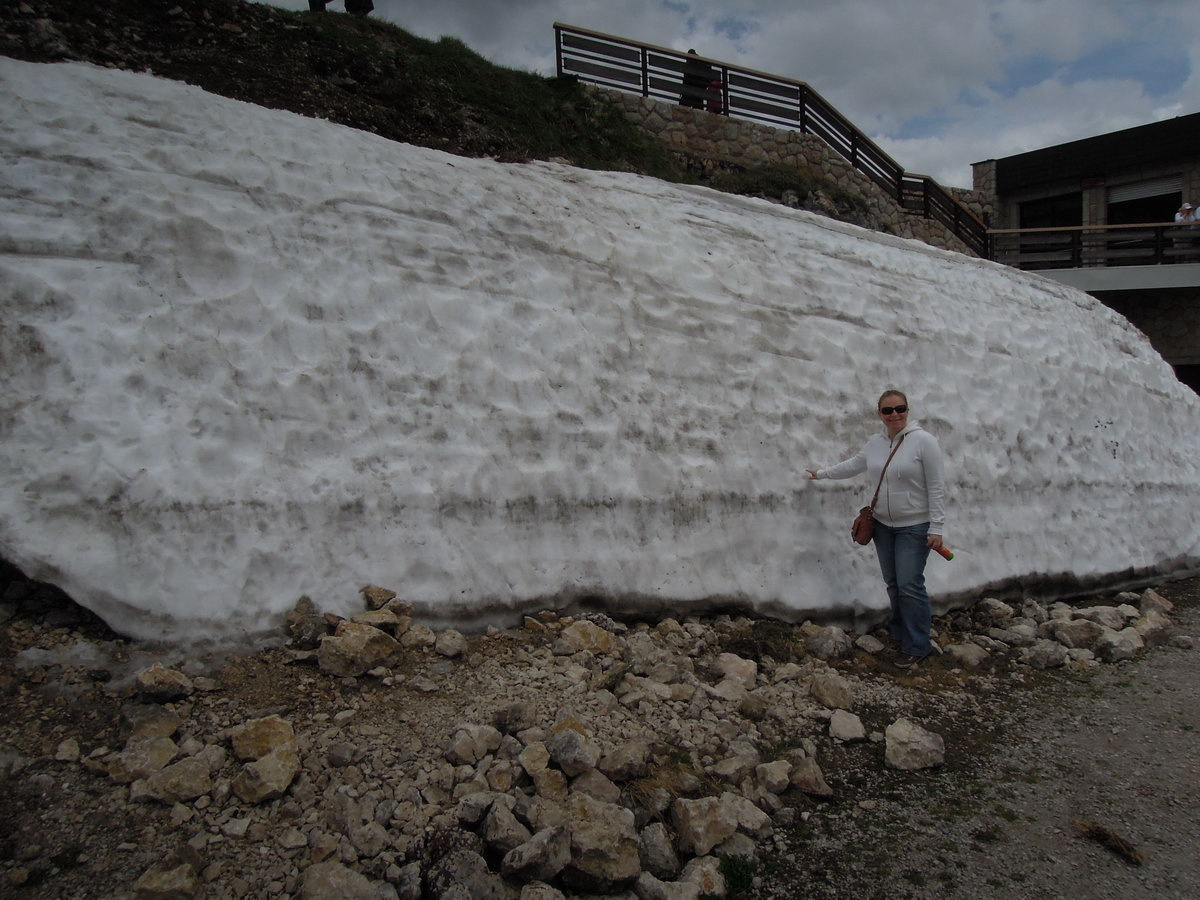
(714, 96)
(1183, 239)
(905, 462)
(697, 76)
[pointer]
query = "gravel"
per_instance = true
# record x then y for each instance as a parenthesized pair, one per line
(1115, 751)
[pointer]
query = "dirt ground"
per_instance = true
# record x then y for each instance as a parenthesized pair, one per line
(1115, 752)
(1033, 758)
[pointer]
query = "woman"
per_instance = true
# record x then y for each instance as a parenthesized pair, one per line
(909, 518)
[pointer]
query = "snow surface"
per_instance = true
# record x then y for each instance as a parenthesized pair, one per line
(249, 356)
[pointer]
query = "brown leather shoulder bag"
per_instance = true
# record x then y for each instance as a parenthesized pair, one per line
(863, 528)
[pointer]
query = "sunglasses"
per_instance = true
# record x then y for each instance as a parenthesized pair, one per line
(888, 410)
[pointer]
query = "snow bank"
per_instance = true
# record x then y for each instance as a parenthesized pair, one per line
(248, 355)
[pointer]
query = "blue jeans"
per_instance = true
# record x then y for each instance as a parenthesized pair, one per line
(902, 553)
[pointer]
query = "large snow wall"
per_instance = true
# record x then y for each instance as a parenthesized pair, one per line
(248, 356)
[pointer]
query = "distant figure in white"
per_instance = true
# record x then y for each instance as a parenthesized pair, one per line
(1183, 240)
(354, 7)
(909, 517)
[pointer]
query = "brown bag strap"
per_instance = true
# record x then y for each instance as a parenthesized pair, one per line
(884, 470)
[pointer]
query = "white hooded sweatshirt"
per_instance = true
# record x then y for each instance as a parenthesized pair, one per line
(914, 489)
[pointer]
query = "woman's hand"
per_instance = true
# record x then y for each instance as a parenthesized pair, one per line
(935, 542)
(812, 473)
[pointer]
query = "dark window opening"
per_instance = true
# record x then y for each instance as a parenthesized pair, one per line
(1145, 210)
(1063, 211)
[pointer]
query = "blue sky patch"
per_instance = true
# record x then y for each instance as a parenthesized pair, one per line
(734, 28)
(1140, 61)
(933, 122)
(1025, 72)
(1158, 68)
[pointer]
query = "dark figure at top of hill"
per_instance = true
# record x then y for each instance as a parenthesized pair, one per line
(697, 76)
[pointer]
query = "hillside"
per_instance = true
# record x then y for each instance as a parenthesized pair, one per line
(374, 76)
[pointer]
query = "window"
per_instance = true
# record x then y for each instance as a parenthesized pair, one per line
(1062, 211)
(1145, 202)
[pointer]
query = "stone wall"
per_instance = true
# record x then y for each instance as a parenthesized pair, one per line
(714, 141)
(983, 179)
(975, 201)
(1170, 318)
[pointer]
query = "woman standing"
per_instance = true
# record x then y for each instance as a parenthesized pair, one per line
(909, 517)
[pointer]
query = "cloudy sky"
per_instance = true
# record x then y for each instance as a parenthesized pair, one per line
(939, 84)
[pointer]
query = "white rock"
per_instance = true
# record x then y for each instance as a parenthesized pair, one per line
(844, 726)
(828, 643)
(450, 643)
(1114, 646)
(971, 655)
(832, 690)
(67, 751)
(732, 666)
(911, 747)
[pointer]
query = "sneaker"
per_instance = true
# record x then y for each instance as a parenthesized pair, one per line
(905, 661)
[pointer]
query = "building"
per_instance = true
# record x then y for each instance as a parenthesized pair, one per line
(1098, 214)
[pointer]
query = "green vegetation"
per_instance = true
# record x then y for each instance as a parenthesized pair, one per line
(738, 873)
(780, 641)
(518, 116)
(512, 114)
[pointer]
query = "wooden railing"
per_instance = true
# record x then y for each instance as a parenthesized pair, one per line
(1085, 246)
(659, 72)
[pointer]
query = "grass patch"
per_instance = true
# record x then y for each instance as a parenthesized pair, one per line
(738, 872)
(777, 179)
(1107, 837)
(482, 107)
(667, 783)
(516, 115)
(765, 638)
(988, 835)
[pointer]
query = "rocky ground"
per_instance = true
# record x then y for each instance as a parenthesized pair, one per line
(574, 757)
(1064, 784)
